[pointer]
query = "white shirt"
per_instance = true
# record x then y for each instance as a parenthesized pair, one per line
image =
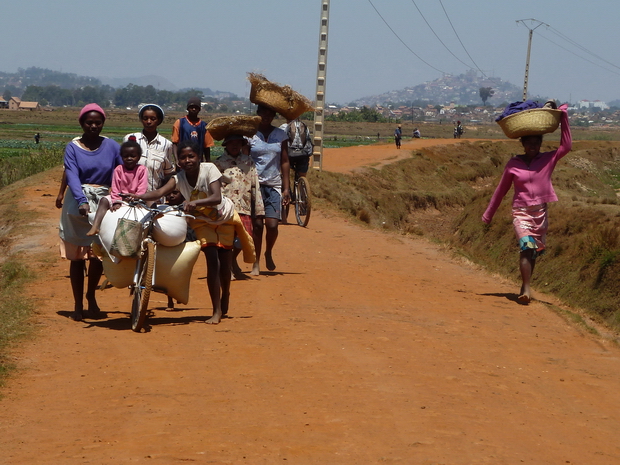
(157, 156)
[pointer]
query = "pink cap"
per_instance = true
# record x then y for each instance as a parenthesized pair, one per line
(91, 107)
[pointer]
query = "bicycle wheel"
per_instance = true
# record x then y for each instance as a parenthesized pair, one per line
(142, 288)
(303, 204)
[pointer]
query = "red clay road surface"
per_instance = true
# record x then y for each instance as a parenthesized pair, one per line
(362, 347)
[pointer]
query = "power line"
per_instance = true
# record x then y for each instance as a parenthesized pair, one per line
(461, 42)
(438, 38)
(402, 42)
(569, 40)
(579, 56)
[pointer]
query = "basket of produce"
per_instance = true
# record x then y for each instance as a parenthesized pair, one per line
(281, 99)
(534, 122)
(221, 128)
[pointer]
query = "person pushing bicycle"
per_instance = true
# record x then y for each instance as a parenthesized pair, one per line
(300, 149)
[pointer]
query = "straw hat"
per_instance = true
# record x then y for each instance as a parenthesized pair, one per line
(225, 126)
(281, 99)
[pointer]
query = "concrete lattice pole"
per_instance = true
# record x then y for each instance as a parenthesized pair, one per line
(321, 74)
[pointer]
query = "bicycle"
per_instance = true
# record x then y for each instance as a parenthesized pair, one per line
(143, 279)
(300, 198)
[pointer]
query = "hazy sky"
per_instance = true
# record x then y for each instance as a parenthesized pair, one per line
(215, 43)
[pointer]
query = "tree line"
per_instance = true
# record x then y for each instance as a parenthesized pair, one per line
(105, 95)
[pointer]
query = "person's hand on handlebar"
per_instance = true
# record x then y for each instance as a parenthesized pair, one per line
(189, 205)
(128, 197)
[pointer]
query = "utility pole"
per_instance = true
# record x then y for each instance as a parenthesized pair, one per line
(529, 48)
(321, 73)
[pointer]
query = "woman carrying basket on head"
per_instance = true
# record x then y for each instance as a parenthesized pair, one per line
(530, 174)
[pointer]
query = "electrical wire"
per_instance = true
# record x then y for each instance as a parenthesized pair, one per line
(402, 42)
(569, 40)
(438, 38)
(457, 36)
(579, 56)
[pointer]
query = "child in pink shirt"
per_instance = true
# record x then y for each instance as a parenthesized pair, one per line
(128, 178)
(530, 174)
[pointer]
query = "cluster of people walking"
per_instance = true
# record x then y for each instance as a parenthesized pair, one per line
(233, 201)
(241, 198)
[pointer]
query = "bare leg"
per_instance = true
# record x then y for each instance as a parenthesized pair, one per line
(225, 257)
(259, 224)
(170, 306)
(270, 239)
(285, 214)
(527, 262)
(102, 208)
(236, 270)
(214, 283)
(76, 274)
(95, 270)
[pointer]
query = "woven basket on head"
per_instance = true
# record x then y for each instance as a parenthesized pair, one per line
(281, 99)
(535, 122)
(221, 128)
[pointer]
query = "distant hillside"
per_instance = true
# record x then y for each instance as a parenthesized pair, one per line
(463, 89)
(16, 83)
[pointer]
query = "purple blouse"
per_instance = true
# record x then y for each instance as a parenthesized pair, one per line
(86, 167)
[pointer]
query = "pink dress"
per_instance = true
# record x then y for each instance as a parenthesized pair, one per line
(127, 181)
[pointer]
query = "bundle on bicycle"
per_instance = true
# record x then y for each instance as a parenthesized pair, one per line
(144, 249)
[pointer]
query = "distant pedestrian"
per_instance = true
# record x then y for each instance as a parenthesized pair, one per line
(458, 130)
(37, 136)
(398, 135)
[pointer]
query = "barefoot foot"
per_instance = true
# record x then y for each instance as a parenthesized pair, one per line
(269, 261)
(93, 231)
(77, 315)
(93, 308)
(215, 319)
(255, 269)
(524, 299)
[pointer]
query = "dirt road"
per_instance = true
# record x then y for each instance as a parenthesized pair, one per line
(362, 347)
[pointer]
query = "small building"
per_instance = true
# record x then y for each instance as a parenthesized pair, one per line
(32, 106)
(3, 103)
(14, 103)
(17, 104)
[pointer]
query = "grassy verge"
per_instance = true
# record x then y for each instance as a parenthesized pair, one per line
(14, 311)
(15, 307)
